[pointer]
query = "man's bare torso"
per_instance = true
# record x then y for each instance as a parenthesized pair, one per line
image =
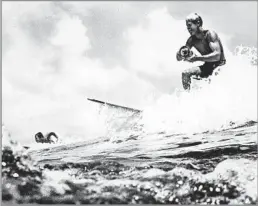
(202, 44)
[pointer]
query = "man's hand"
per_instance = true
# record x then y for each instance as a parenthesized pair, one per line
(193, 58)
(178, 56)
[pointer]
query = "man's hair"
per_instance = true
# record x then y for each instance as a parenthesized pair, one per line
(195, 18)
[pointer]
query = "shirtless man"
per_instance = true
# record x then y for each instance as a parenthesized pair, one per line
(209, 46)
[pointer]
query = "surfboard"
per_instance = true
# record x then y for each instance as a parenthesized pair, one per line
(115, 105)
(26, 147)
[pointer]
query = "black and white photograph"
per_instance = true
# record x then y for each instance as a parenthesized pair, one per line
(129, 102)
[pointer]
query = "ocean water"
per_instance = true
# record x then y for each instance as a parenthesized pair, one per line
(164, 168)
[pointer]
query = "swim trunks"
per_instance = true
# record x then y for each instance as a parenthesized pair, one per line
(208, 67)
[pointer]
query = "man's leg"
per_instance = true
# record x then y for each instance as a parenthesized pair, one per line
(187, 74)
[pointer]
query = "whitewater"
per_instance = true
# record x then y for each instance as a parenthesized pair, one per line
(183, 148)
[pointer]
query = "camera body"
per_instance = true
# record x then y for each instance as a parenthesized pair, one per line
(185, 52)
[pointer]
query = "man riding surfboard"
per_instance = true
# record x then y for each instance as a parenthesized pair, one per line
(207, 43)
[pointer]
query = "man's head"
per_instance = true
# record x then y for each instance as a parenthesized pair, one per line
(193, 23)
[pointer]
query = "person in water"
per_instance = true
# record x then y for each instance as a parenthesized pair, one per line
(207, 43)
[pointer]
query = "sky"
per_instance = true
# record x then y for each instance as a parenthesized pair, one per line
(55, 54)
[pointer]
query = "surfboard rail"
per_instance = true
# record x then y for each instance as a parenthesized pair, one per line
(115, 105)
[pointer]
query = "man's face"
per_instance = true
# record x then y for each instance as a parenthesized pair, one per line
(191, 27)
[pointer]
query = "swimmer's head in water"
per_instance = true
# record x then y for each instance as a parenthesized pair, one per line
(193, 23)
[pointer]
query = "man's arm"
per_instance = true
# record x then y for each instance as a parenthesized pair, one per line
(215, 47)
(189, 45)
